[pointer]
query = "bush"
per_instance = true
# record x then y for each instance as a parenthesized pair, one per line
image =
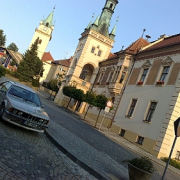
(2, 71)
(172, 162)
(44, 84)
(35, 83)
(143, 163)
(12, 73)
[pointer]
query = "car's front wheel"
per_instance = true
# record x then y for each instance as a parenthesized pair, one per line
(2, 109)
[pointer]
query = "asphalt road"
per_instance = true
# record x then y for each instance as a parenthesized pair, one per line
(87, 133)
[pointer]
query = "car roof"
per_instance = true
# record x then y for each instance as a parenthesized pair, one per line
(21, 85)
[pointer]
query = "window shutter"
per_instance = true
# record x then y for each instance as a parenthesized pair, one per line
(153, 72)
(134, 76)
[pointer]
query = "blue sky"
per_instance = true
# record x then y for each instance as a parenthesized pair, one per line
(19, 18)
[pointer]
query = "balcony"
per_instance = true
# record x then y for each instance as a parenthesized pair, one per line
(115, 88)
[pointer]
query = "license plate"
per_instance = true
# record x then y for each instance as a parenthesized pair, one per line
(30, 124)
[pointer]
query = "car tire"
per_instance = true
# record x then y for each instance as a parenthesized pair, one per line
(2, 109)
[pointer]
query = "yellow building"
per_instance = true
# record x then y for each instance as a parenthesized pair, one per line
(94, 46)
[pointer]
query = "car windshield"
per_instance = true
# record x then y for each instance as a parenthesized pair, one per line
(25, 94)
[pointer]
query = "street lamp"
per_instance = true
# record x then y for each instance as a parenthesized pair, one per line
(177, 134)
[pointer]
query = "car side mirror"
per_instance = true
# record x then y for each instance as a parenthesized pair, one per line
(2, 91)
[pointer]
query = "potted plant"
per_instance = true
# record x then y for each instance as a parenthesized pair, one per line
(160, 82)
(140, 168)
(140, 83)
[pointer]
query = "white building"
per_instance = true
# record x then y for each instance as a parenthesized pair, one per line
(151, 100)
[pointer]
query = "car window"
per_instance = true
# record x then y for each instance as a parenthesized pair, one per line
(5, 86)
(25, 94)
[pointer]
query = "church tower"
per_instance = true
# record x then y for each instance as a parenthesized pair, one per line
(44, 33)
(94, 46)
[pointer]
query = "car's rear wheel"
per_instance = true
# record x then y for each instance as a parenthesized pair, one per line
(2, 109)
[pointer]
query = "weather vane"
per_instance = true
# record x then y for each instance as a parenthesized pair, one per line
(143, 32)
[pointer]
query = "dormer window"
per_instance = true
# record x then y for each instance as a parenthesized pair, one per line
(47, 24)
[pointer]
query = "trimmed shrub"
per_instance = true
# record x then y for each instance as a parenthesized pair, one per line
(143, 163)
(172, 162)
(35, 83)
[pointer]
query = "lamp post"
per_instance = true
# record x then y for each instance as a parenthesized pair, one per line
(177, 134)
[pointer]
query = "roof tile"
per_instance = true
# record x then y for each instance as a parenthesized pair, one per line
(47, 57)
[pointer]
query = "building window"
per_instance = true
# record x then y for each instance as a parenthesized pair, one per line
(110, 77)
(60, 68)
(122, 77)
(40, 41)
(122, 133)
(93, 49)
(177, 156)
(140, 140)
(164, 74)
(151, 111)
(144, 74)
(101, 77)
(99, 53)
(132, 107)
(83, 74)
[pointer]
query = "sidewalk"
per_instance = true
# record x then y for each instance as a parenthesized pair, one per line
(93, 160)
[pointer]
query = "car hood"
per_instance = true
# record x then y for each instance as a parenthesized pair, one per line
(29, 108)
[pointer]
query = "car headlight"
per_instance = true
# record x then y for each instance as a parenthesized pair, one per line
(14, 111)
(20, 113)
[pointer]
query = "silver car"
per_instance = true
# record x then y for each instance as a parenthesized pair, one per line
(20, 105)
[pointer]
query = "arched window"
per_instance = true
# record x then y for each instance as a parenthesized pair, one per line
(111, 6)
(47, 24)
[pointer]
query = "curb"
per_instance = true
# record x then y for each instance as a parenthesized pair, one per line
(73, 158)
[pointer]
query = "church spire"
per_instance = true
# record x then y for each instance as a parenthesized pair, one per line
(49, 20)
(104, 21)
(113, 32)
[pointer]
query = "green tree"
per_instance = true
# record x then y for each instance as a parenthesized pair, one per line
(2, 71)
(31, 65)
(74, 93)
(13, 47)
(2, 38)
(53, 86)
(68, 91)
(90, 98)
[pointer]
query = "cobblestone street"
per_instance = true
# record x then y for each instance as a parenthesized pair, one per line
(26, 155)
